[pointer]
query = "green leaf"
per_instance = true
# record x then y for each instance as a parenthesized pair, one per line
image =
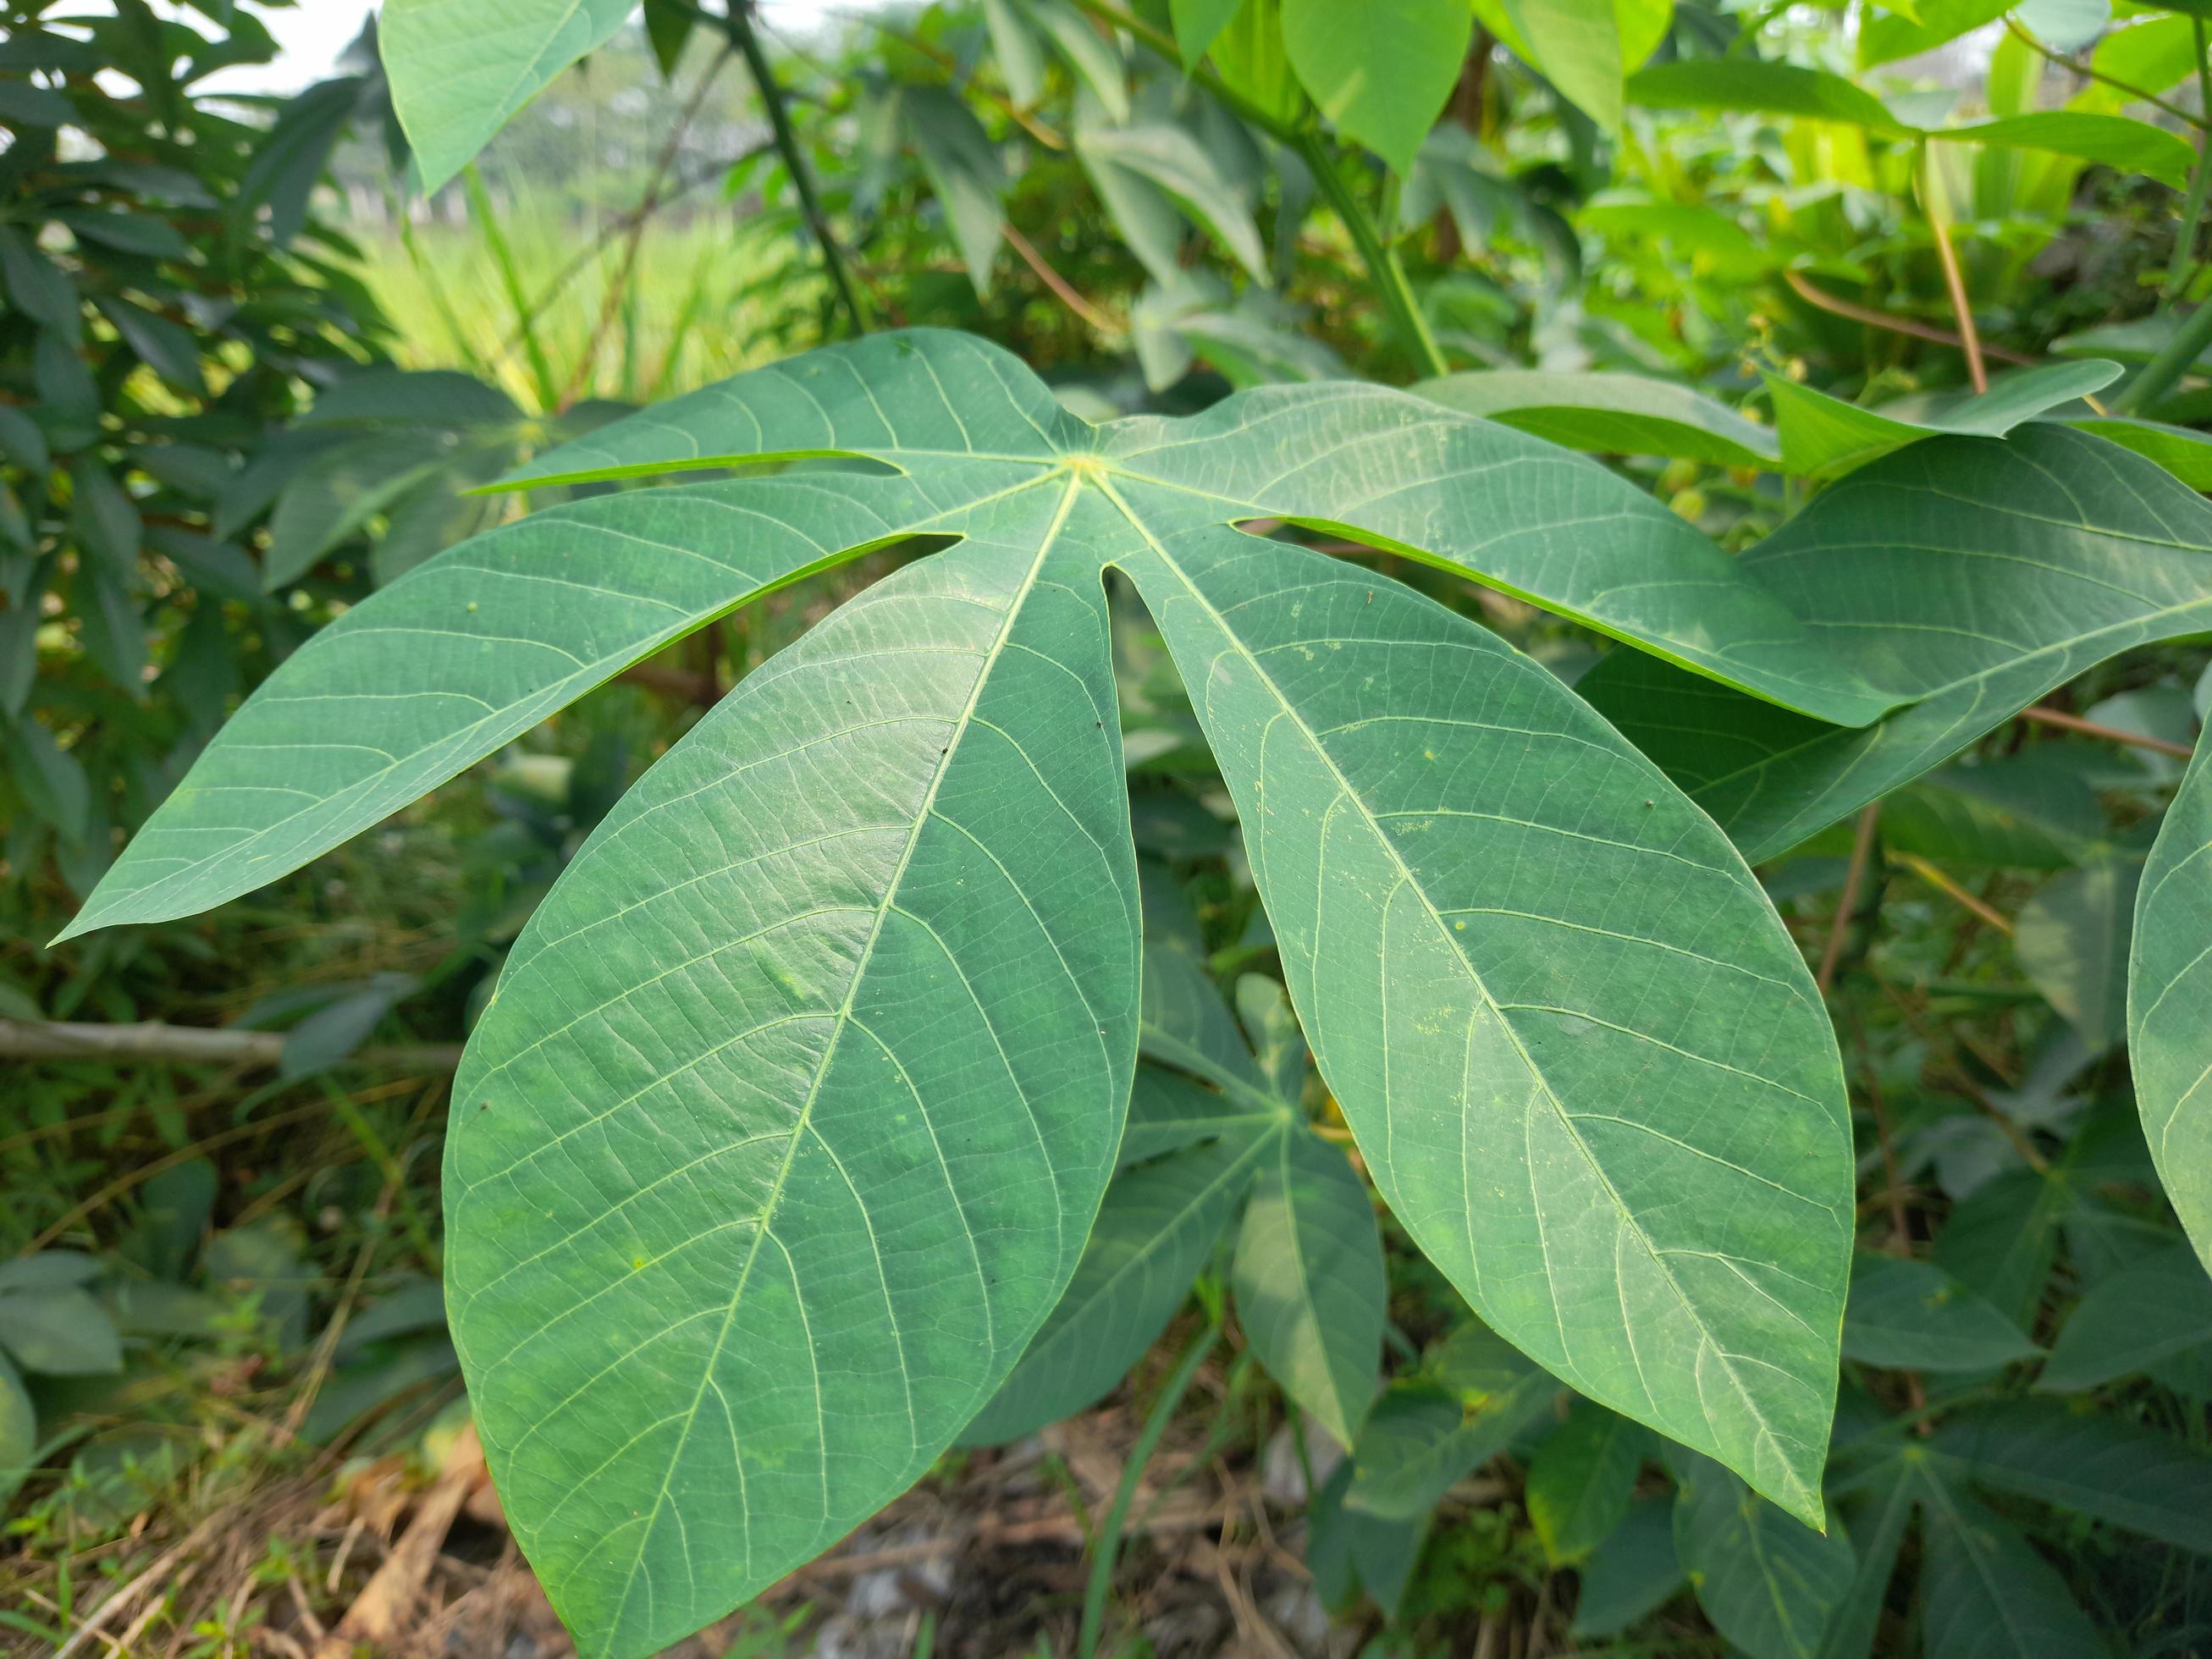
(1632, 1574)
(1014, 44)
(1961, 575)
(2072, 940)
(1095, 60)
(1769, 1583)
(1197, 23)
(2000, 1241)
(964, 171)
(1489, 925)
(2159, 1307)
(1308, 1280)
(1609, 414)
(164, 347)
(2151, 55)
(808, 1112)
(1988, 1595)
(1884, 40)
(19, 1430)
(1824, 437)
(1879, 1521)
(2184, 453)
(1169, 158)
(59, 1331)
(1581, 1479)
(2095, 1463)
(2169, 1006)
(1155, 1231)
(1380, 71)
(2032, 811)
(456, 81)
(38, 287)
(1911, 1315)
(1425, 1433)
(1577, 46)
(2116, 141)
(1746, 86)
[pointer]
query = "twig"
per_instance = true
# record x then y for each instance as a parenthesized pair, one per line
(22, 1039)
(1861, 846)
(1958, 895)
(2192, 214)
(2058, 717)
(1828, 303)
(1955, 281)
(2089, 73)
(1061, 288)
(611, 303)
(739, 23)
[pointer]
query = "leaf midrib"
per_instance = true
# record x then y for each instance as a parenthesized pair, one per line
(1626, 1218)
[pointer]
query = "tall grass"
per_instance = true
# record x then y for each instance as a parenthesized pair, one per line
(550, 306)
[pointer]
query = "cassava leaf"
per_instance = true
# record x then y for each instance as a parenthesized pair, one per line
(1913, 1315)
(456, 81)
(1989, 1595)
(2096, 1463)
(2169, 1000)
(1961, 575)
(1308, 1280)
(804, 1109)
(1581, 1479)
(1382, 70)
(1769, 1583)
(783, 1134)
(1610, 414)
(1824, 437)
(1434, 880)
(2150, 1311)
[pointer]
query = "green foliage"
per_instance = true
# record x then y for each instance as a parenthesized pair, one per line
(848, 1095)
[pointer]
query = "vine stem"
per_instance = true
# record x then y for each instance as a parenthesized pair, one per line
(1854, 875)
(2135, 93)
(738, 21)
(2192, 214)
(1820, 297)
(1955, 281)
(2156, 377)
(1383, 270)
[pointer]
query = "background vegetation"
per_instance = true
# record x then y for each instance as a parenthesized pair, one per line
(247, 374)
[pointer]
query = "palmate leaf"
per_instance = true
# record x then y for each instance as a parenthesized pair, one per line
(783, 1136)
(1966, 577)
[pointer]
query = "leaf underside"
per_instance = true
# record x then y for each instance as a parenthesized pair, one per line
(783, 1136)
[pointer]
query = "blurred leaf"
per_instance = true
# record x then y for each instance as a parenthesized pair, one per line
(1380, 71)
(1988, 1594)
(1014, 43)
(1826, 437)
(964, 171)
(1914, 1315)
(456, 82)
(19, 1421)
(2116, 141)
(1426, 1432)
(2071, 940)
(2159, 1307)
(59, 1331)
(38, 287)
(668, 30)
(164, 347)
(1632, 1574)
(2095, 1463)
(1308, 1280)
(1581, 1478)
(1609, 414)
(2184, 453)
(48, 1270)
(1770, 1583)
(1197, 23)
(331, 1033)
(1887, 39)
(1749, 86)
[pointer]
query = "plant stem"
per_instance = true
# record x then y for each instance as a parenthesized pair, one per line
(1958, 895)
(2192, 213)
(2155, 378)
(1854, 874)
(1383, 270)
(2037, 713)
(739, 22)
(1387, 275)
(1955, 281)
(1107, 1544)
(1906, 325)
